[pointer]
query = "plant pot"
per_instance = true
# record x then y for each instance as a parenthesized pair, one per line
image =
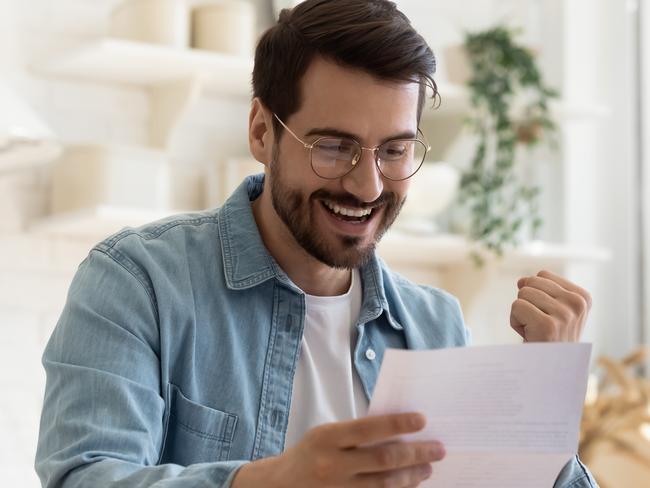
(225, 26)
(164, 22)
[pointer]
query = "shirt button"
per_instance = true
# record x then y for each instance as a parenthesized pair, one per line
(370, 354)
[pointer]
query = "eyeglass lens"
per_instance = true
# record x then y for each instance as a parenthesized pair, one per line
(333, 157)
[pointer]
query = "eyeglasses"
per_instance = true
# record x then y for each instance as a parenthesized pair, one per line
(335, 157)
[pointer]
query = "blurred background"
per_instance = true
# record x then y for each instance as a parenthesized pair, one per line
(116, 113)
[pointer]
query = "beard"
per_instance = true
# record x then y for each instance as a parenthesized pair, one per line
(336, 251)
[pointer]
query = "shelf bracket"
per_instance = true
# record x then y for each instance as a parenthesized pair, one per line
(169, 102)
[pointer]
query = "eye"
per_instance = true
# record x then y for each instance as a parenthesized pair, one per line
(336, 147)
(394, 150)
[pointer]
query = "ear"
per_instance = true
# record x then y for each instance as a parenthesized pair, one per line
(260, 132)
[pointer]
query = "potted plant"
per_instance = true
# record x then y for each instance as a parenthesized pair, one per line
(509, 110)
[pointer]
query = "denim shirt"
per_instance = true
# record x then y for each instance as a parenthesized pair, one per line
(173, 360)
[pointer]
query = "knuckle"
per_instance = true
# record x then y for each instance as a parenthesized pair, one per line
(566, 314)
(385, 457)
(388, 481)
(421, 454)
(577, 302)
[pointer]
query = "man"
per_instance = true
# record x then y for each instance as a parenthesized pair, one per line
(240, 346)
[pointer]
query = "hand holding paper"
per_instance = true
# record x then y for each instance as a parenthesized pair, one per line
(359, 453)
(508, 416)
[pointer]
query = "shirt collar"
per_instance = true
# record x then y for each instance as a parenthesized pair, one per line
(247, 262)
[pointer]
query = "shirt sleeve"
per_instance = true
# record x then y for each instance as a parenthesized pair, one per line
(575, 475)
(468, 336)
(102, 422)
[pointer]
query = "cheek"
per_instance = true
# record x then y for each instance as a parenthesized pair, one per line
(295, 168)
(399, 188)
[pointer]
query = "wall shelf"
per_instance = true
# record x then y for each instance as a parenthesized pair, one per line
(147, 65)
(177, 77)
(398, 248)
(446, 250)
(96, 223)
(455, 102)
(174, 77)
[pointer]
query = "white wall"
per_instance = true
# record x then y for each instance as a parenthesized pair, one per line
(589, 187)
(35, 272)
(645, 138)
(602, 181)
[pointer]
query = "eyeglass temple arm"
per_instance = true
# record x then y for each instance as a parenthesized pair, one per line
(426, 143)
(307, 146)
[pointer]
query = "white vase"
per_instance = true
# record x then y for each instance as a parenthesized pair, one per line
(163, 22)
(431, 191)
(224, 26)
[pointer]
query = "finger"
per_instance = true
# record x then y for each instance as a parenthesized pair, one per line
(573, 300)
(402, 478)
(531, 323)
(569, 303)
(542, 300)
(544, 284)
(567, 285)
(369, 430)
(390, 456)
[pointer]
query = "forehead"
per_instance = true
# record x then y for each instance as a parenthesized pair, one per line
(353, 100)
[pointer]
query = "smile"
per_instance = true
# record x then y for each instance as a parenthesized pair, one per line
(348, 213)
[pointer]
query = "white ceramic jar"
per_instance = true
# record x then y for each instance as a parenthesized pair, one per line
(163, 22)
(226, 26)
(432, 190)
(91, 176)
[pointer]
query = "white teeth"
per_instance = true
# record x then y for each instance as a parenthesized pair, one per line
(349, 212)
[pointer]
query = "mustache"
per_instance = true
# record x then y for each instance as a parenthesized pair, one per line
(349, 200)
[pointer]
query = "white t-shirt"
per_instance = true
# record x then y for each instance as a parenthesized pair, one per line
(326, 387)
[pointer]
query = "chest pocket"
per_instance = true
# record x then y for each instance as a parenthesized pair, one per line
(195, 433)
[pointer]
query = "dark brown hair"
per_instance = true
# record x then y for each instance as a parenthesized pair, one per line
(371, 35)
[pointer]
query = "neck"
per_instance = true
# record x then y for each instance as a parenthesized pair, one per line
(308, 273)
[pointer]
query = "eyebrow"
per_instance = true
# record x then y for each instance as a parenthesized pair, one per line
(330, 131)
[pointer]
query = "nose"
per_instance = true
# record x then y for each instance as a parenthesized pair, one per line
(364, 181)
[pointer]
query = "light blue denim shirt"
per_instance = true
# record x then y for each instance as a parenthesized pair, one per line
(173, 361)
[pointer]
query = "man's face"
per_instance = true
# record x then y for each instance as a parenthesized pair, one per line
(313, 209)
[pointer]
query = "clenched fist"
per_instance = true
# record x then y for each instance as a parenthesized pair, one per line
(549, 308)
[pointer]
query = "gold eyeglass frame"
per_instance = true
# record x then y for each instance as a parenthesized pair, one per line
(354, 162)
